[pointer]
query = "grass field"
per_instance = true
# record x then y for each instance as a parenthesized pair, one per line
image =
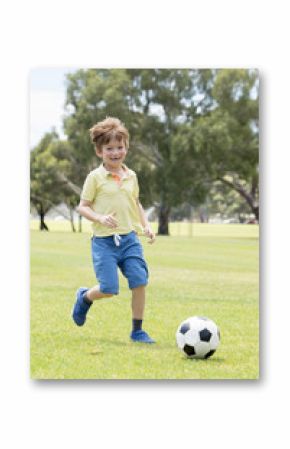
(209, 270)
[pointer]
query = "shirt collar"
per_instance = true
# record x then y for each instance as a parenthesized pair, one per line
(106, 172)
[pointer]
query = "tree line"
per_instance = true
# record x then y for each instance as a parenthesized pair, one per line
(194, 134)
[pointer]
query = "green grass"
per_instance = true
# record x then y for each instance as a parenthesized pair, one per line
(214, 273)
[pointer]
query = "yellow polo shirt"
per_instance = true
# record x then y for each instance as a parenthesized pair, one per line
(108, 196)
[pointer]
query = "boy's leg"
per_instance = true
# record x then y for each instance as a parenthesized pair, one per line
(138, 302)
(138, 306)
(94, 293)
(134, 268)
(105, 266)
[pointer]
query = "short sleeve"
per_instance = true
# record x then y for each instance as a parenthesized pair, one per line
(136, 188)
(89, 188)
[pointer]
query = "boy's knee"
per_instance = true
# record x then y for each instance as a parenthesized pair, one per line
(108, 295)
(109, 289)
(138, 286)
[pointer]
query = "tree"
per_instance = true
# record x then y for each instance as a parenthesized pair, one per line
(62, 166)
(167, 99)
(227, 137)
(40, 183)
(226, 202)
(223, 141)
(52, 164)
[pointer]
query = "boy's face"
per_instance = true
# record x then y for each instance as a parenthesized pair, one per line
(113, 154)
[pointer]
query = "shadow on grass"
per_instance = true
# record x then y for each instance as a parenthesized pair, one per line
(210, 360)
(129, 345)
(105, 342)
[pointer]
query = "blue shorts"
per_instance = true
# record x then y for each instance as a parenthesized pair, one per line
(128, 256)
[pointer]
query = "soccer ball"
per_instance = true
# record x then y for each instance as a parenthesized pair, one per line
(198, 337)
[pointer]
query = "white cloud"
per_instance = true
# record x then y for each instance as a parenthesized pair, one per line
(46, 112)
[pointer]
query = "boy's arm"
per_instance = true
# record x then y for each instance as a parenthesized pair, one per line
(147, 228)
(85, 209)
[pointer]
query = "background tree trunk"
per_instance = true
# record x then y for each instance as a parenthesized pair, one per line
(43, 226)
(72, 220)
(163, 220)
(250, 197)
(80, 223)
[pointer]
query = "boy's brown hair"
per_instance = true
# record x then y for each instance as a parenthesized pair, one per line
(110, 128)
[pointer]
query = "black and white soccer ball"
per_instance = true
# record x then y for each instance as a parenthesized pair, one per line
(198, 337)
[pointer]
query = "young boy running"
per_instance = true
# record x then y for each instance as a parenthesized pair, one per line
(110, 200)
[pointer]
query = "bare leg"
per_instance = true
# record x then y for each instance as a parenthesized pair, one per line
(94, 293)
(138, 302)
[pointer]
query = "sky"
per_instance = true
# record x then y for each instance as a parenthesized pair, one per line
(47, 99)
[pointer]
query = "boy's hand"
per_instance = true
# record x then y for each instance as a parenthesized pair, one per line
(109, 220)
(149, 233)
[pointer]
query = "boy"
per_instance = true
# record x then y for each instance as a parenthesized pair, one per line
(110, 199)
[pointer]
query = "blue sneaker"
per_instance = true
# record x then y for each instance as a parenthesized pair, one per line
(141, 336)
(81, 308)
